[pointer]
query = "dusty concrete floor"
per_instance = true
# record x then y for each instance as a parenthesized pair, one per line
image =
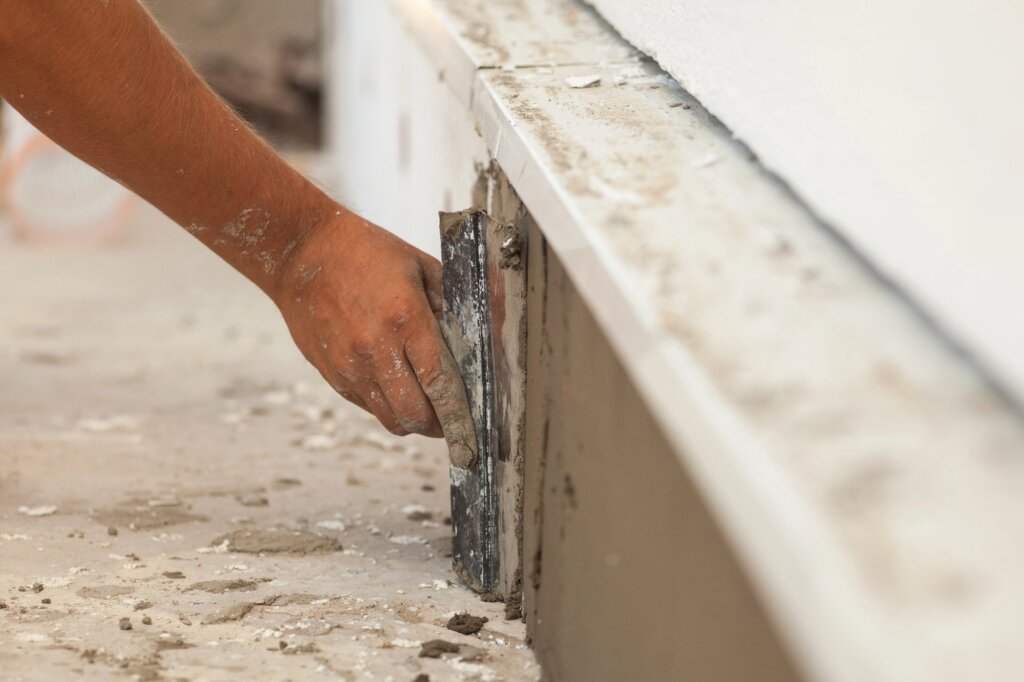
(155, 400)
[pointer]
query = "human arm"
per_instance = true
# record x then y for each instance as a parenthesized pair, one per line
(100, 78)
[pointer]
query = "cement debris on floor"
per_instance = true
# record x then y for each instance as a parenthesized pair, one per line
(182, 497)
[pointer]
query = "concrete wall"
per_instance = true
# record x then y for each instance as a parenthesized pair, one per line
(627, 575)
(898, 120)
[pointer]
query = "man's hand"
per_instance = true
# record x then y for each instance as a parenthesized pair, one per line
(362, 305)
(101, 80)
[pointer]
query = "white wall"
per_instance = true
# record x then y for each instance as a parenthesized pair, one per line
(403, 148)
(900, 121)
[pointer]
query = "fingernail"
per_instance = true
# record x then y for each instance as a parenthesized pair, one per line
(461, 455)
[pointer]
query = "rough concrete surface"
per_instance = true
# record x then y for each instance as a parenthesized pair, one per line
(628, 576)
(181, 497)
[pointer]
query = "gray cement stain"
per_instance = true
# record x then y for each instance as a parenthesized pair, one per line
(277, 541)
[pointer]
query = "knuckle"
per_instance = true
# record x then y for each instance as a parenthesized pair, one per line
(398, 315)
(374, 398)
(347, 376)
(439, 387)
(414, 424)
(431, 378)
(364, 343)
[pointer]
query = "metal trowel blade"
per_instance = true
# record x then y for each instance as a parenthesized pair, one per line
(466, 324)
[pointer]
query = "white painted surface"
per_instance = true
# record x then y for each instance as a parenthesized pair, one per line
(900, 121)
(402, 147)
(400, 138)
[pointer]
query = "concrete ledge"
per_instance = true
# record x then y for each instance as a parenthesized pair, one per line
(893, 120)
(865, 476)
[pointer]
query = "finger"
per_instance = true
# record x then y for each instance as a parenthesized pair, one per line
(373, 397)
(337, 378)
(432, 283)
(439, 376)
(352, 398)
(405, 396)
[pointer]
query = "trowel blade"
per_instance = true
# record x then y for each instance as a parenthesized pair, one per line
(466, 324)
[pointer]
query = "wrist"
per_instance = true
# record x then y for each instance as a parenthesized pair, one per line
(304, 256)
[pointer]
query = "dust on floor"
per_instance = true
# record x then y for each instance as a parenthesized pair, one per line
(181, 497)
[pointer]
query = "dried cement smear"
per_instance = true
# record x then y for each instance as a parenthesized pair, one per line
(277, 541)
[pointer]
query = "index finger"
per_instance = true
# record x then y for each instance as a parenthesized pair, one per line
(441, 381)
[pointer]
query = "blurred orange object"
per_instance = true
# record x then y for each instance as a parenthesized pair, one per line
(51, 196)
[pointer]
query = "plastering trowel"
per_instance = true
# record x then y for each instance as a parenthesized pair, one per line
(483, 263)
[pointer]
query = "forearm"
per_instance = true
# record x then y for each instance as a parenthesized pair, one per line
(100, 79)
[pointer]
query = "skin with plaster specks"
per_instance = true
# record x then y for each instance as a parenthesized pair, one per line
(101, 80)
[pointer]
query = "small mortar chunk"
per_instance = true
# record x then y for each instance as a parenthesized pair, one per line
(465, 624)
(436, 647)
(589, 81)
